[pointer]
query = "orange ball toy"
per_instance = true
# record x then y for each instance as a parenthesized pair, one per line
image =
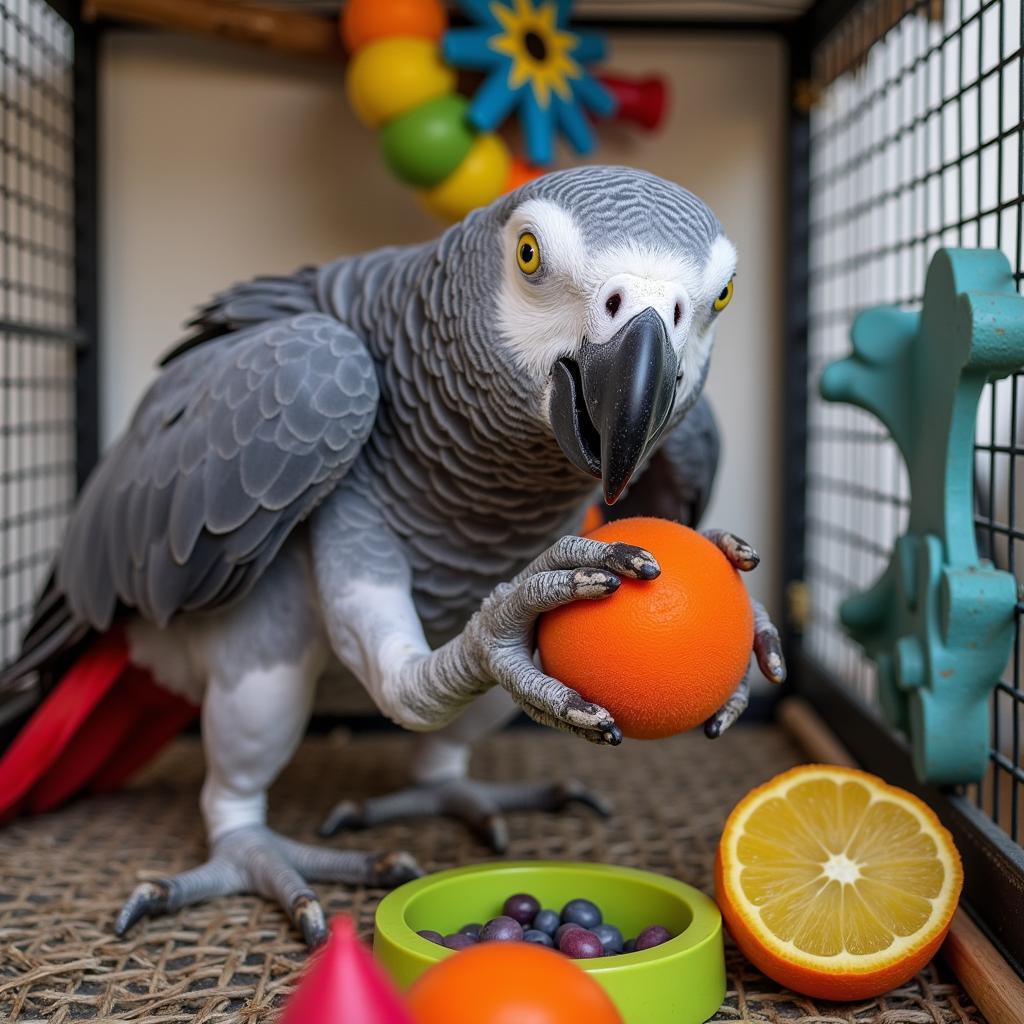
(662, 656)
(363, 21)
(509, 983)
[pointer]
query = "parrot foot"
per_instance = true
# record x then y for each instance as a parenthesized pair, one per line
(481, 805)
(500, 636)
(255, 859)
(727, 714)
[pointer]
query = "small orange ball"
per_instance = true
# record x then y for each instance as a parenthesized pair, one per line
(363, 21)
(509, 983)
(661, 655)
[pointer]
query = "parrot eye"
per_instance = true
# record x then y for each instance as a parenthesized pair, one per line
(528, 253)
(724, 298)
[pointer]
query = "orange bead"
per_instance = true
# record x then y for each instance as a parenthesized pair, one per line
(519, 173)
(366, 20)
(509, 983)
(661, 655)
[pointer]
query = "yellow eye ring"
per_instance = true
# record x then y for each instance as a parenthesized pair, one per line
(724, 298)
(528, 253)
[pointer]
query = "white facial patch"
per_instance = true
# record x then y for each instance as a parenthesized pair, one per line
(542, 316)
(717, 273)
(579, 294)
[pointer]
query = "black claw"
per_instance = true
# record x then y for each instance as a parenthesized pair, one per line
(148, 899)
(713, 728)
(494, 832)
(309, 916)
(634, 561)
(394, 869)
(612, 735)
(769, 649)
(574, 792)
(346, 815)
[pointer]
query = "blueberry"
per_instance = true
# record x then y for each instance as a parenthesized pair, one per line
(610, 936)
(539, 938)
(629, 946)
(459, 940)
(472, 930)
(431, 936)
(581, 944)
(581, 912)
(501, 929)
(547, 921)
(655, 935)
(521, 907)
(562, 929)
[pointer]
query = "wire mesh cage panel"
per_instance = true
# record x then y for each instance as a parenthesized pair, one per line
(37, 301)
(916, 143)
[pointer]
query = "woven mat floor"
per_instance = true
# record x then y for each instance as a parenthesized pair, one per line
(63, 876)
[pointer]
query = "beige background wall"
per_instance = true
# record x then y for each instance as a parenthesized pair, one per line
(219, 163)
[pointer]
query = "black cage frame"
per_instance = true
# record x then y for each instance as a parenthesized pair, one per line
(994, 860)
(49, 437)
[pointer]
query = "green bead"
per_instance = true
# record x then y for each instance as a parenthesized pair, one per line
(425, 145)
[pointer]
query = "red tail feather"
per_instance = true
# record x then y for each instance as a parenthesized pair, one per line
(102, 721)
(166, 714)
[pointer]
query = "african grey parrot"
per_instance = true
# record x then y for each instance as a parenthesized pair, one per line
(384, 462)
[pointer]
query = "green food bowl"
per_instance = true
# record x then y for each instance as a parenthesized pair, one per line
(681, 981)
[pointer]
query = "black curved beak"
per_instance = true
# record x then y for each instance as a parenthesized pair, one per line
(609, 405)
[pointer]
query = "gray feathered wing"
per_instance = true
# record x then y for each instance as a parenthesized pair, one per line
(235, 443)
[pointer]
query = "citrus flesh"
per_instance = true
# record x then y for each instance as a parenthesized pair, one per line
(836, 884)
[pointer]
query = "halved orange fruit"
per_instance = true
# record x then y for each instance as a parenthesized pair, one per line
(836, 884)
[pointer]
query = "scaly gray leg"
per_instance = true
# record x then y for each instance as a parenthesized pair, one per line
(255, 859)
(481, 805)
(767, 645)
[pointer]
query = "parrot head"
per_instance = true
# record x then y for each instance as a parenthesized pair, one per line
(612, 281)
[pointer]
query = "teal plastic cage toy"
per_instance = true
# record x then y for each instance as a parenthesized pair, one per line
(939, 622)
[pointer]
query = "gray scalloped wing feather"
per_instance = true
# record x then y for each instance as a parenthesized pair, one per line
(232, 446)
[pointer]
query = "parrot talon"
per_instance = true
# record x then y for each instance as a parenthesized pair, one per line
(731, 710)
(572, 791)
(394, 869)
(768, 646)
(589, 583)
(738, 551)
(493, 832)
(630, 560)
(612, 736)
(255, 859)
(346, 814)
(150, 899)
(308, 916)
(480, 805)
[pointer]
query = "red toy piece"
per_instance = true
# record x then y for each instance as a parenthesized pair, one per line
(344, 985)
(640, 100)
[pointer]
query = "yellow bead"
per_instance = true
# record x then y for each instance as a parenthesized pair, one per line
(389, 77)
(478, 180)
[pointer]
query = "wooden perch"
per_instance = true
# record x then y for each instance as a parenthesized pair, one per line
(303, 35)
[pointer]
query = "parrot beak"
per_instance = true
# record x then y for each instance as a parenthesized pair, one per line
(610, 404)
